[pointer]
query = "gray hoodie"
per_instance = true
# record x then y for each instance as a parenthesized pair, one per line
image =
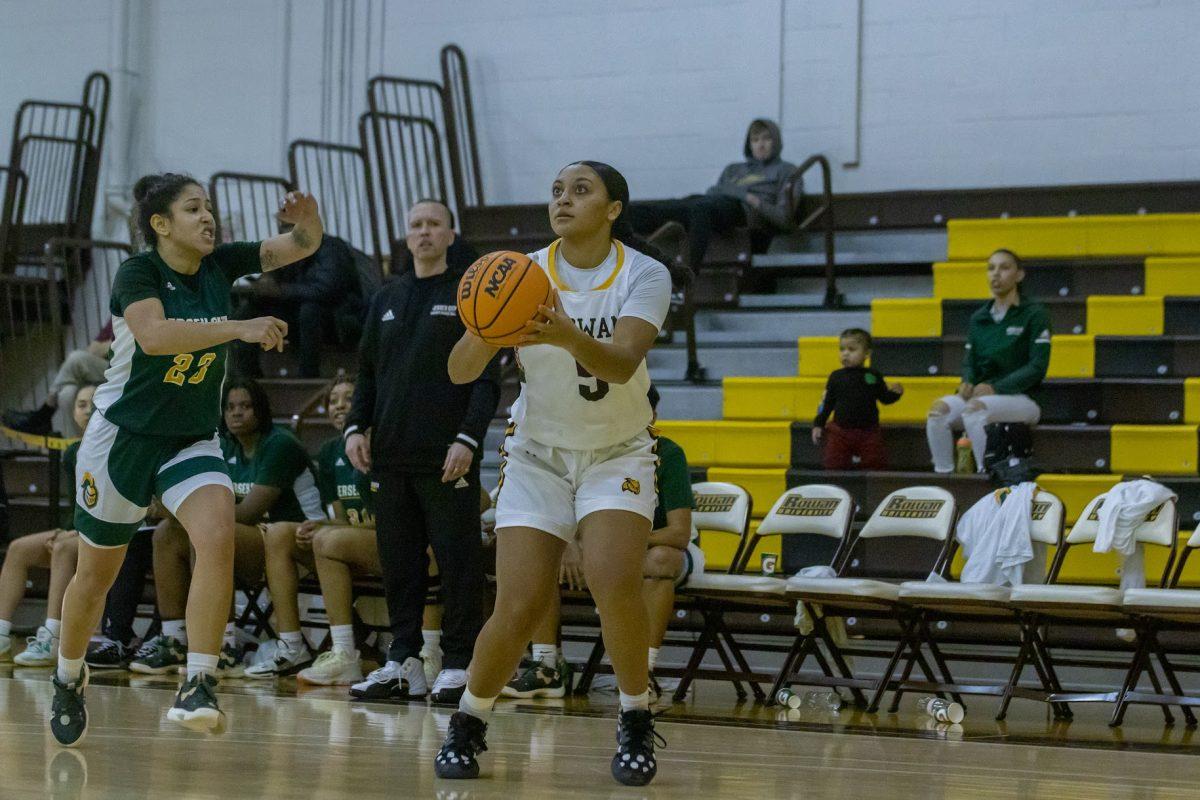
(766, 179)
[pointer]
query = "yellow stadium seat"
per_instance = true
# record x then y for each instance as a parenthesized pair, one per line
(1191, 401)
(919, 394)
(1076, 491)
(906, 317)
(1028, 237)
(961, 280)
(719, 549)
(818, 356)
(1143, 234)
(1173, 277)
(1072, 356)
(733, 444)
(764, 485)
(764, 398)
(1120, 315)
(1159, 449)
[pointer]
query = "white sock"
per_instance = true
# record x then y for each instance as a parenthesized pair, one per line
(293, 639)
(5, 627)
(54, 626)
(478, 707)
(546, 653)
(343, 637)
(230, 637)
(433, 639)
(633, 702)
(652, 657)
(198, 663)
(69, 669)
(174, 628)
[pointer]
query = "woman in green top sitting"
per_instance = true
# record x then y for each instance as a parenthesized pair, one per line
(1007, 353)
(54, 550)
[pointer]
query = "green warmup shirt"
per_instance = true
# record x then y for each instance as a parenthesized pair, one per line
(674, 482)
(1012, 354)
(279, 460)
(340, 481)
(177, 395)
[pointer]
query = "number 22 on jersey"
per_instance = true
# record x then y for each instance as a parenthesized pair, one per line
(183, 362)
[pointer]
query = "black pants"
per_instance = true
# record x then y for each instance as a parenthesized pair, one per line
(700, 214)
(414, 511)
(307, 325)
(120, 607)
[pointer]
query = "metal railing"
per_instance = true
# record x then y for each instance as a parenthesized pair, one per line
(244, 205)
(12, 214)
(460, 128)
(409, 163)
(823, 213)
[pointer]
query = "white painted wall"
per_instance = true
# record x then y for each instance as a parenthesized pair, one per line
(955, 93)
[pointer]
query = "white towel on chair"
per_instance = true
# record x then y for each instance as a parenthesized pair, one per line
(994, 534)
(835, 625)
(1124, 508)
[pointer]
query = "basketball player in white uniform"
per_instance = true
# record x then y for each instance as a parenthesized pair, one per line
(578, 461)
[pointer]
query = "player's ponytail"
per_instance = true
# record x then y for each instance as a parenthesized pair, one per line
(618, 189)
(153, 194)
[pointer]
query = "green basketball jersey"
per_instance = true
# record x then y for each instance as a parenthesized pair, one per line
(279, 460)
(340, 481)
(175, 395)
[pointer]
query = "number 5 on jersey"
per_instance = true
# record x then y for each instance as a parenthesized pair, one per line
(183, 362)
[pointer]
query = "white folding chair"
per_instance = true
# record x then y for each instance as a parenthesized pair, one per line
(1038, 605)
(925, 512)
(973, 602)
(815, 509)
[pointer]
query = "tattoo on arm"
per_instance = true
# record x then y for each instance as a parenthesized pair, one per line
(269, 259)
(302, 238)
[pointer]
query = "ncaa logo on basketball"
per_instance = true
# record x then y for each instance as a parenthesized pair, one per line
(496, 279)
(90, 494)
(631, 485)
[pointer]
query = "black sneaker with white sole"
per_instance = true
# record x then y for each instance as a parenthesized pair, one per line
(195, 706)
(449, 687)
(465, 739)
(634, 763)
(68, 712)
(108, 654)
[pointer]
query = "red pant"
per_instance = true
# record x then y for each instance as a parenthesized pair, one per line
(842, 444)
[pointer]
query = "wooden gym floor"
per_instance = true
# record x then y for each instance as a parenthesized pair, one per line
(319, 745)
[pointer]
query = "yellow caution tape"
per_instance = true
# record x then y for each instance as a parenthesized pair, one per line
(44, 442)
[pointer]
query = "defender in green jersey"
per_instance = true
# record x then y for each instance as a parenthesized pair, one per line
(155, 430)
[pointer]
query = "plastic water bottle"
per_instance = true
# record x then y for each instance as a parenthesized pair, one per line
(964, 457)
(822, 701)
(942, 710)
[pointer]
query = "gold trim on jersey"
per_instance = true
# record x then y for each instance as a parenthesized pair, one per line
(552, 268)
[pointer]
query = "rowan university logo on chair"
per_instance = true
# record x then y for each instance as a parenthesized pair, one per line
(901, 507)
(631, 485)
(90, 494)
(800, 506)
(714, 503)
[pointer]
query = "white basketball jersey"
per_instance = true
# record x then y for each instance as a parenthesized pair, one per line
(560, 404)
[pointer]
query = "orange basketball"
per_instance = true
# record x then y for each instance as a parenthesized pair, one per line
(499, 293)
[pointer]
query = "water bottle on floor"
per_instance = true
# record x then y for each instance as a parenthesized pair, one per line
(942, 710)
(964, 456)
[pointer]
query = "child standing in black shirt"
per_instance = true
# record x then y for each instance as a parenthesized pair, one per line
(850, 396)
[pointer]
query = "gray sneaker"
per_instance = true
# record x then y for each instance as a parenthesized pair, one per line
(195, 706)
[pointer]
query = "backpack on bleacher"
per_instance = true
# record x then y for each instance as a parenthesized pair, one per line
(1009, 450)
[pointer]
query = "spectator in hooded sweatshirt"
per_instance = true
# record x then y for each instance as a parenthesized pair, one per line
(758, 192)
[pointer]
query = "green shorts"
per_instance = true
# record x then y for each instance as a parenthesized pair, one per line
(118, 472)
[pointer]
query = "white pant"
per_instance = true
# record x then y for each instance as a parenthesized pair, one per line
(995, 408)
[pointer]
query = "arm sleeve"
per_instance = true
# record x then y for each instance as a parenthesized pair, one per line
(238, 259)
(828, 401)
(137, 279)
(283, 459)
(1025, 378)
(485, 396)
(362, 407)
(726, 186)
(330, 278)
(674, 482)
(883, 393)
(649, 295)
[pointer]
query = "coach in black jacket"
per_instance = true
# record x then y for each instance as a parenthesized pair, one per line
(423, 456)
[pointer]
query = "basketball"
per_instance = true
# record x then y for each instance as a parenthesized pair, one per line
(499, 293)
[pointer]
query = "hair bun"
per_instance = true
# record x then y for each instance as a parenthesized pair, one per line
(144, 186)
